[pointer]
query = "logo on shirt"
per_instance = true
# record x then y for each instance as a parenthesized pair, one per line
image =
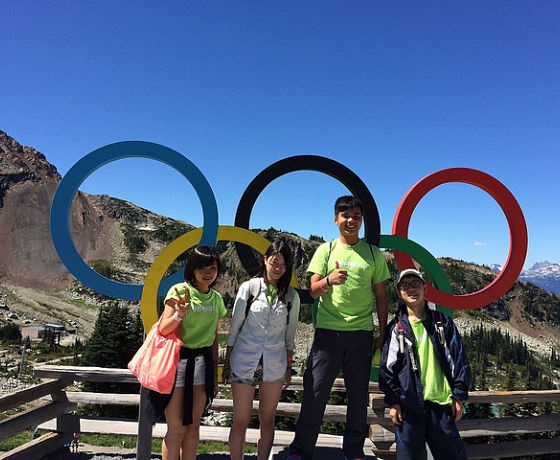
(203, 308)
(351, 265)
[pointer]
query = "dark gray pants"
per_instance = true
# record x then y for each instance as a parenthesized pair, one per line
(330, 352)
(437, 427)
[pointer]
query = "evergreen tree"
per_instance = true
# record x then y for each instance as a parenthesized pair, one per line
(77, 348)
(10, 333)
(116, 337)
(50, 342)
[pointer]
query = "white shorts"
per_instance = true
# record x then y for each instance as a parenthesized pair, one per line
(199, 372)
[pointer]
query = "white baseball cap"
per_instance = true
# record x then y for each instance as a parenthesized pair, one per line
(410, 272)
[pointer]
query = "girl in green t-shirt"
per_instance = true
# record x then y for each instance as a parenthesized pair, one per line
(193, 308)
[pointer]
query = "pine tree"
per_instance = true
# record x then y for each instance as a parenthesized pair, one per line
(10, 333)
(115, 338)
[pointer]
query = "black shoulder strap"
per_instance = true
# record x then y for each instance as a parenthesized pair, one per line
(371, 250)
(329, 256)
(289, 300)
(254, 291)
(438, 326)
(373, 259)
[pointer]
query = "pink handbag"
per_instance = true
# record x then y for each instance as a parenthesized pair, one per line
(155, 362)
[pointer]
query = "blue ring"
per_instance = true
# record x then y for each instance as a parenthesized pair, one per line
(62, 201)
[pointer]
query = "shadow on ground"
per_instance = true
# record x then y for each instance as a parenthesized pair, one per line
(65, 454)
(321, 453)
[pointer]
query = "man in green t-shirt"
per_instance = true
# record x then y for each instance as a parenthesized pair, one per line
(348, 277)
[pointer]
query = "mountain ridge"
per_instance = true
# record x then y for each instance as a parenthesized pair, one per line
(545, 275)
(124, 239)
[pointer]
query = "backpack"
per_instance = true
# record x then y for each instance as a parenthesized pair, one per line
(254, 292)
(438, 326)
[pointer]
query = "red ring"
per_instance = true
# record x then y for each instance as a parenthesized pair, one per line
(517, 231)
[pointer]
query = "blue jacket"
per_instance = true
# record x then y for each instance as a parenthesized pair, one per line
(399, 372)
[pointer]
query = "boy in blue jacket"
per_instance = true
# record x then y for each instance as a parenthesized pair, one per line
(424, 374)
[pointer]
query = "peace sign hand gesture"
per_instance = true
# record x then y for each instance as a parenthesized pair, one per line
(180, 304)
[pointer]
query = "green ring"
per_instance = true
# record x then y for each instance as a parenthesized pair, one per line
(437, 274)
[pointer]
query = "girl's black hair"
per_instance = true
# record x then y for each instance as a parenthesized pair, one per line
(200, 257)
(344, 203)
(280, 247)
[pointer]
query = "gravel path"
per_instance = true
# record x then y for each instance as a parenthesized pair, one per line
(110, 453)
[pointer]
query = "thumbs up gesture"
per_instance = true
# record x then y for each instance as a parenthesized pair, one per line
(338, 276)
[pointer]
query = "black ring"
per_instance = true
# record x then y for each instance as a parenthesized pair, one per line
(372, 223)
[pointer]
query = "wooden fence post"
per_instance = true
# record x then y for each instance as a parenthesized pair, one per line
(144, 440)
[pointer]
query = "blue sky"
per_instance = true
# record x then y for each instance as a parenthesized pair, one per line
(394, 91)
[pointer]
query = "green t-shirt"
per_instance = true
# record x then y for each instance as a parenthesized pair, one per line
(349, 306)
(271, 291)
(198, 329)
(435, 386)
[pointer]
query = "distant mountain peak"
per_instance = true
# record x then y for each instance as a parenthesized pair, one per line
(544, 274)
(496, 268)
(544, 265)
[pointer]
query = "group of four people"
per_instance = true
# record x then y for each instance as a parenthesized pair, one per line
(424, 371)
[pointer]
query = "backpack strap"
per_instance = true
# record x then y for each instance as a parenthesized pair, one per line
(328, 257)
(315, 303)
(402, 341)
(289, 300)
(400, 335)
(373, 258)
(371, 250)
(254, 291)
(438, 326)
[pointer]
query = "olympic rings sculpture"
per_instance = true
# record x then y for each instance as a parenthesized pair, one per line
(439, 290)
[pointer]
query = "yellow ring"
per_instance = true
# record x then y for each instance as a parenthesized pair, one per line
(149, 300)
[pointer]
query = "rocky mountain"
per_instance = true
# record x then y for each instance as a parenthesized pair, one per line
(545, 275)
(112, 235)
(27, 184)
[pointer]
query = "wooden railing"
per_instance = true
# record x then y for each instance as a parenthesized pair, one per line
(54, 403)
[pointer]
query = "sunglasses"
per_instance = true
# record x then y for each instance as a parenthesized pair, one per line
(412, 284)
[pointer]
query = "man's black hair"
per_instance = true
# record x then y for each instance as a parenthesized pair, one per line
(346, 202)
